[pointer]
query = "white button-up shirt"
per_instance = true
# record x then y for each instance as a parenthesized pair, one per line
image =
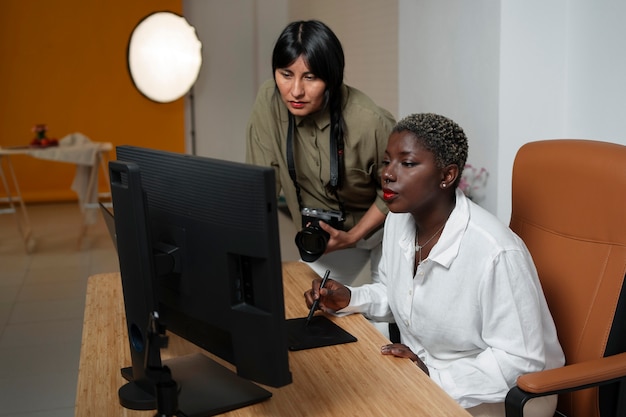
(474, 311)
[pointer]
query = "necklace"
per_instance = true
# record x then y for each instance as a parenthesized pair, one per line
(418, 247)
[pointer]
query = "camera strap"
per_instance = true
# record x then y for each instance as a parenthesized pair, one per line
(335, 154)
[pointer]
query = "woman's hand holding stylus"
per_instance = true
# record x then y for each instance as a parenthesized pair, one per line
(333, 297)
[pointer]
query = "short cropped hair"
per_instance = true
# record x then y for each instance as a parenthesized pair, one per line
(440, 135)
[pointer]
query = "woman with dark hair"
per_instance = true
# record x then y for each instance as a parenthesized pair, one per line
(325, 140)
(461, 286)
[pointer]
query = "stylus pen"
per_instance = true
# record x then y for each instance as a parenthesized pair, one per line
(316, 302)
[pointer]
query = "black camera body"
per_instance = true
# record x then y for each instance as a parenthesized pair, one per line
(312, 240)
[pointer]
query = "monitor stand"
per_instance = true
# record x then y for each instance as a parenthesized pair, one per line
(205, 388)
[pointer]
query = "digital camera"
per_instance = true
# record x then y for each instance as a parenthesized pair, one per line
(312, 239)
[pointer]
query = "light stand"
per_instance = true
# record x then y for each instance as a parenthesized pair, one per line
(192, 121)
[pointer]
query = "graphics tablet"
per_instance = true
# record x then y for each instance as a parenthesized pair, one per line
(320, 332)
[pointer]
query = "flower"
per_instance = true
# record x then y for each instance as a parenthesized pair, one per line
(473, 182)
(41, 140)
(40, 129)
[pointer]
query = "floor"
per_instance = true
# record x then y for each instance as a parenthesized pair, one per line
(42, 297)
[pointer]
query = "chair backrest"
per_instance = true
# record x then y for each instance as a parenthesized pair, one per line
(569, 207)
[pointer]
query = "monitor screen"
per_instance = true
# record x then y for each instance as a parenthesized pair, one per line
(198, 243)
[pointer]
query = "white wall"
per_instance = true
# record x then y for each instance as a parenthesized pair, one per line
(596, 80)
(532, 81)
(236, 41)
(562, 76)
(448, 64)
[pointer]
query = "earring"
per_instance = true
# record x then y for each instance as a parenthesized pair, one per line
(443, 185)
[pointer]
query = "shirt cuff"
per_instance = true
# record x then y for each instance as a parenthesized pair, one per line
(358, 298)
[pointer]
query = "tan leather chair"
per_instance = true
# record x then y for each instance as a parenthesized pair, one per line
(569, 207)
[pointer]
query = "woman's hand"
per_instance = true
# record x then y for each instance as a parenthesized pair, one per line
(333, 297)
(402, 351)
(338, 238)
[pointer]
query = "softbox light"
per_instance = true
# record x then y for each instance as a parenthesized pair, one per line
(164, 56)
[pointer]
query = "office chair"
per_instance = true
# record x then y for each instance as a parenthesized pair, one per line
(569, 207)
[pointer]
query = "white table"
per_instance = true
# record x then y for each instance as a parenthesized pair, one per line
(89, 157)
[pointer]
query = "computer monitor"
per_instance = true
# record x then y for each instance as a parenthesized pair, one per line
(198, 243)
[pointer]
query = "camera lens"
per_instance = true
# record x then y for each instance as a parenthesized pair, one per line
(311, 243)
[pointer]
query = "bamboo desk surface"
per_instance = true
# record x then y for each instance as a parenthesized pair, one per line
(345, 380)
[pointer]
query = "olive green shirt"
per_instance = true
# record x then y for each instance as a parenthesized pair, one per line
(367, 130)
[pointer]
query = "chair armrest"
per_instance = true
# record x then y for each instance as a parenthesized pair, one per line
(569, 377)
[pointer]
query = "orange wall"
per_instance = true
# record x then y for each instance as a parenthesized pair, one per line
(63, 63)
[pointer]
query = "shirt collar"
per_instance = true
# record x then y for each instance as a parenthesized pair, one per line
(320, 118)
(447, 247)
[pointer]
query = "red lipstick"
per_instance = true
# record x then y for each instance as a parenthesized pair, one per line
(388, 194)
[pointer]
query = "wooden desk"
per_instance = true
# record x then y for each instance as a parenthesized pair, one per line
(345, 380)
